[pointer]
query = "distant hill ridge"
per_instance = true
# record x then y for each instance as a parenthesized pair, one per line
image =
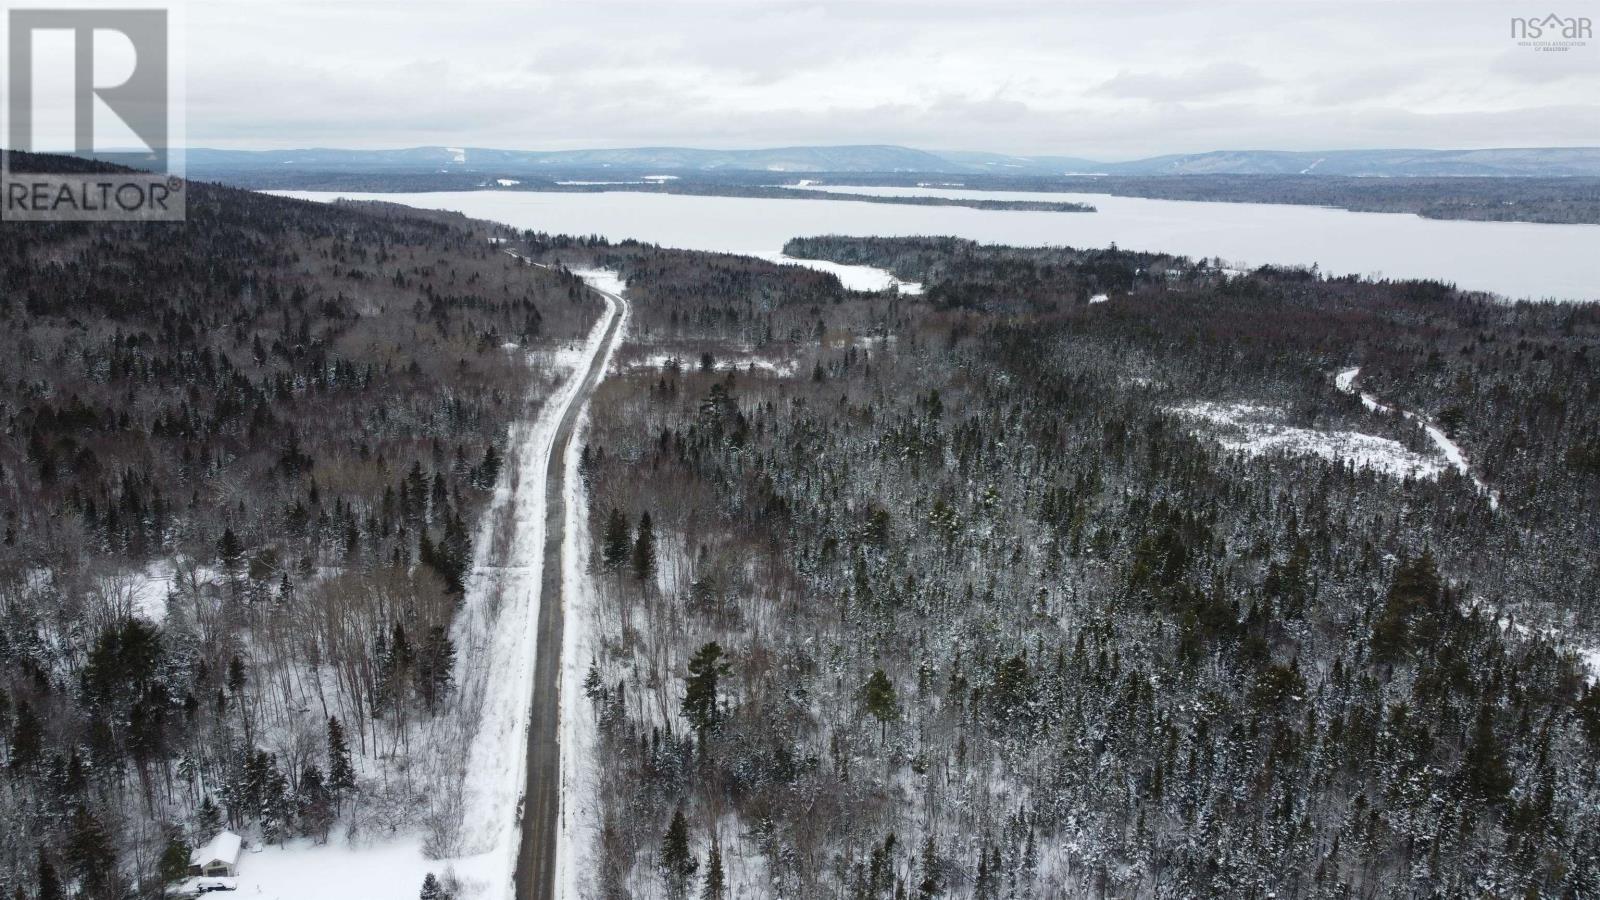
(1508, 162)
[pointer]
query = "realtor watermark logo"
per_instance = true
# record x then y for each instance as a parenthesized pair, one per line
(1552, 33)
(93, 83)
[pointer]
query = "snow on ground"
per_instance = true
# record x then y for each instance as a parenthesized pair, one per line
(1099, 298)
(1588, 656)
(738, 362)
(603, 279)
(151, 588)
(495, 636)
(856, 278)
(1257, 431)
(1591, 661)
(1346, 382)
(580, 738)
(506, 182)
(301, 870)
(496, 770)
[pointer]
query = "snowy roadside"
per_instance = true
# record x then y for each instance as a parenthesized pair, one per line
(478, 787)
(505, 616)
(580, 738)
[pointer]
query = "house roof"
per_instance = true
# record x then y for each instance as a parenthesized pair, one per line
(222, 848)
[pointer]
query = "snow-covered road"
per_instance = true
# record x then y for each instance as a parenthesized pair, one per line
(537, 859)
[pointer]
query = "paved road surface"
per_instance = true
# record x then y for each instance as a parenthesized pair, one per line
(541, 805)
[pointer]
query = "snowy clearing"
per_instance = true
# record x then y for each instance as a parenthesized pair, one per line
(602, 279)
(301, 870)
(856, 278)
(1258, 431)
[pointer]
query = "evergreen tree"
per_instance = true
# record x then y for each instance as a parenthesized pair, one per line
(49, 881)
(314, 804)
(929, 887)
(26, 739)
(208, 819)
(489, 469)
(715, 887)
(430, 888)
(594, 687)
(879, 697)
(455, 554)
(435, 666)
(91, 853)
(341, 774)
(677, 863)
(1483, 766)
(174, 864)
(230, 552)
(644, 551)
(700, 704)
(614, 546)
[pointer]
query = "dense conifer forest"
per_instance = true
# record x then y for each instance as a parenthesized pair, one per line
(955, 595)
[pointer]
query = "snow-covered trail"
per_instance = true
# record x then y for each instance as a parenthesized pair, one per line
(1346, 382)
(498, 629)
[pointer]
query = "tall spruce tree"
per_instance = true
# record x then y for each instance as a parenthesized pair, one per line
(677, 862)
(716, 886)
(700, 701)
(341, 774)
(614, 546)
(644, 551)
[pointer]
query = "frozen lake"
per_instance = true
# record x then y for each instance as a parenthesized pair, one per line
(1515, 260)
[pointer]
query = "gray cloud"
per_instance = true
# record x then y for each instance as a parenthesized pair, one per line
(1083, 79)
(1210, 81)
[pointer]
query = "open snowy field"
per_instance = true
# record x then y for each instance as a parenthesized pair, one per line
(1258, 431)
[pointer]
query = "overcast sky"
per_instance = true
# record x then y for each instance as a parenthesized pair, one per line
(1109, 81)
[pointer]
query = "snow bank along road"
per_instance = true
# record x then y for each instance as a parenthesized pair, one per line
(535, 877)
